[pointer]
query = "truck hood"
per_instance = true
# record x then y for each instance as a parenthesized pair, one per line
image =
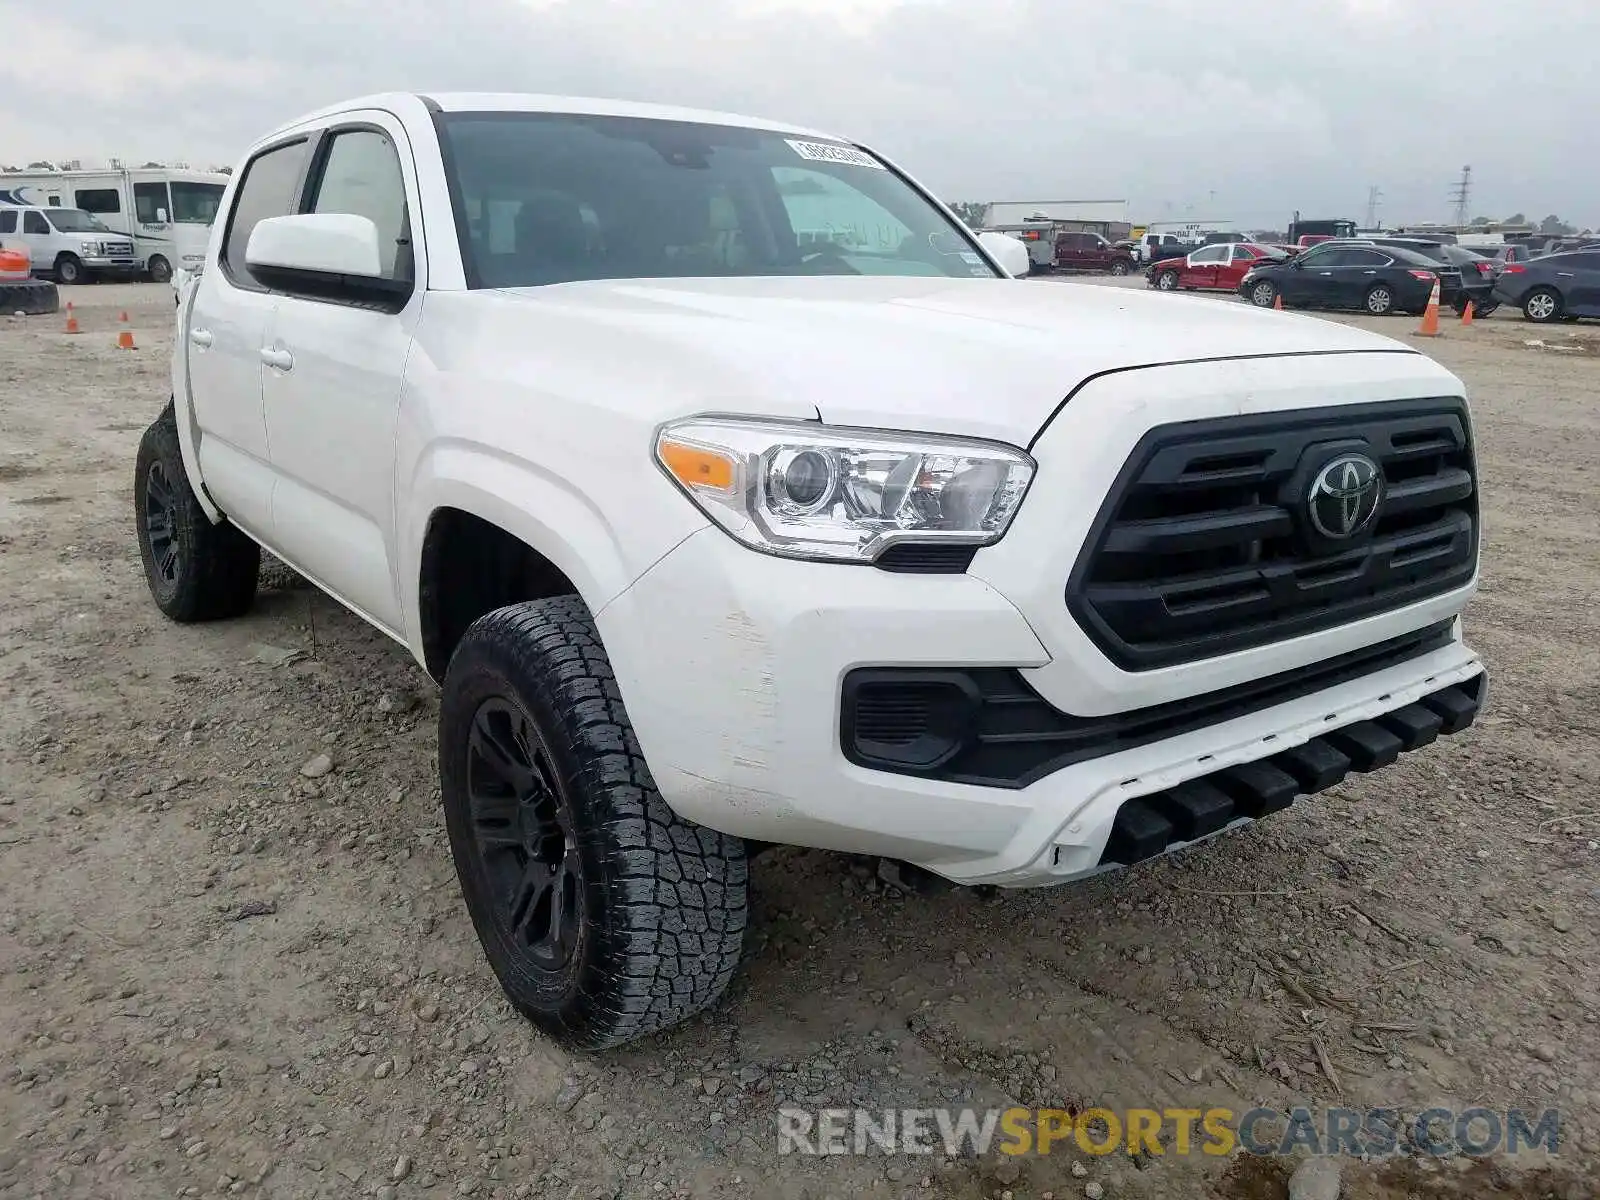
(984, 358)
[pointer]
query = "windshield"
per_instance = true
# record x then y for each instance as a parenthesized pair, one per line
(195, 203)
(553, 198)
(74, 220)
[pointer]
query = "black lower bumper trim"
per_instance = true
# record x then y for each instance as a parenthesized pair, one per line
(1149, 825)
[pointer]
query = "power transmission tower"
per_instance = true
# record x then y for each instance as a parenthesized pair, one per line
(1460, 195)
(1373, 196)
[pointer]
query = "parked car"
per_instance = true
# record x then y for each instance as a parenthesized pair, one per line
(68, 244)
(1376, 279)
(1553, 288)
(1091, 252)
(823, 558)
(1477, 272)
(1219, 267)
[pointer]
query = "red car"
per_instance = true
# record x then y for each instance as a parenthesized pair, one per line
(1220, 267)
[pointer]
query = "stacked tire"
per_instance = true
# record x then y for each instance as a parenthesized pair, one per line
(19, 292)
(33, 298)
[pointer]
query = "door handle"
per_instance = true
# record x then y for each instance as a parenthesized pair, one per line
(1326, 272)
(200, 337)
(1564, 274)
(1369, 272)
(280, 360)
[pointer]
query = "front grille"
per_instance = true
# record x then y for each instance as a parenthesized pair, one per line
(1205, 546)
(987, 726)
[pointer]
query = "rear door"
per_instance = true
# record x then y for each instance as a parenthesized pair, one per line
(1582, 283)
(227, 329)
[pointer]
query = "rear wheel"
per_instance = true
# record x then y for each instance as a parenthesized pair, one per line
(1542, 305)
(1380, 300)
(197, 571)
(1263, 294)
(603, 914)
(1167, 281)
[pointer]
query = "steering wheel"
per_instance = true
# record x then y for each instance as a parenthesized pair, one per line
(828, 252)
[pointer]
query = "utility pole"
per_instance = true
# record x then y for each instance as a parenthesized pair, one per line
(1460, 195)
(1373, 196)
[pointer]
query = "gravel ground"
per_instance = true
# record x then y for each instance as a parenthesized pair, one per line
(221, 976)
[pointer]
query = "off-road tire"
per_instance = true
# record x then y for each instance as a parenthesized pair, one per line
(30, 297)
(662, 908)
(213, 574)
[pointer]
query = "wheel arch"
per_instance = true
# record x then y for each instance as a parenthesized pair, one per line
(481, 531)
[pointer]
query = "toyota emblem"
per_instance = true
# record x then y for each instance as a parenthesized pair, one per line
(1345, 496)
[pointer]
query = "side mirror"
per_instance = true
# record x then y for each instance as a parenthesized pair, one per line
(161, 216)
(324, 256)
(315, 244)
(1010, 253)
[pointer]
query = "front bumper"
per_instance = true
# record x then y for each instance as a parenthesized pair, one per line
(731, 663)
(103, 263)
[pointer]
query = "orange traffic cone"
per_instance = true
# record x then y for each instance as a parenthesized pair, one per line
(125, 336)
(1466, 314)
(72, 319)
(1277, 302)
(1430, 317)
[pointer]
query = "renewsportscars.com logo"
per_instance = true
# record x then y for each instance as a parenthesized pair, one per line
(1373, 1132)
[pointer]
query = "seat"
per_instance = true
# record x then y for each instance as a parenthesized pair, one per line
(551, 235)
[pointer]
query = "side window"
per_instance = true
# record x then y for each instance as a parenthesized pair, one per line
(8, 221)
(99, 200)
(33, 222)
(149, 202)
(1210, 254)
(361, 175)
(1364, 258)
(268, 189)
(1243, 254)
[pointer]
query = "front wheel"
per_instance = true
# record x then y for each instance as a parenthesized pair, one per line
(1167, 281)
(1119, 267)
(1264, 294)
(603, 914)
(197, 571)
(70, 270)
(160, 269)
(1380, 300)
(1542, 305)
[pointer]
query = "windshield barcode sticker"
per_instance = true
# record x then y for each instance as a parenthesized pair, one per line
(831, 152)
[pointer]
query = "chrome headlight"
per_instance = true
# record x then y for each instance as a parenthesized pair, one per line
(806, 490)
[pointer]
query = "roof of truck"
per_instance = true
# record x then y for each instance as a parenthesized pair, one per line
(532, 102)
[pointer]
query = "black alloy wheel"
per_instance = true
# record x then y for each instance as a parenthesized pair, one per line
(522, 822)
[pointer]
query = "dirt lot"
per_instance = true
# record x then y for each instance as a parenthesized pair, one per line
(219, 977)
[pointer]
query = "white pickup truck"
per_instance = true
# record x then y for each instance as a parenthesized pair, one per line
(735, 495)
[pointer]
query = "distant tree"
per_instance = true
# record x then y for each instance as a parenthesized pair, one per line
(223, 170)
(1482, 221)
(970, 211)
(1555, 225)
(41, 166)
(1517, 219)
(147, 166)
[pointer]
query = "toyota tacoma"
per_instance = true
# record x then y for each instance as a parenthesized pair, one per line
(735, 493)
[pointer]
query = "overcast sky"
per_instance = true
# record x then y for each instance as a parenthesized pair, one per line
(1245, 110)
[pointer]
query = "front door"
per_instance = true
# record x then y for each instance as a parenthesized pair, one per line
(1311, 281)
(332, 387)
(226, 329)
(1200, 270)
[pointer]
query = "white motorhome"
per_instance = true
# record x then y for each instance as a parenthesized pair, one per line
(166, 211)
